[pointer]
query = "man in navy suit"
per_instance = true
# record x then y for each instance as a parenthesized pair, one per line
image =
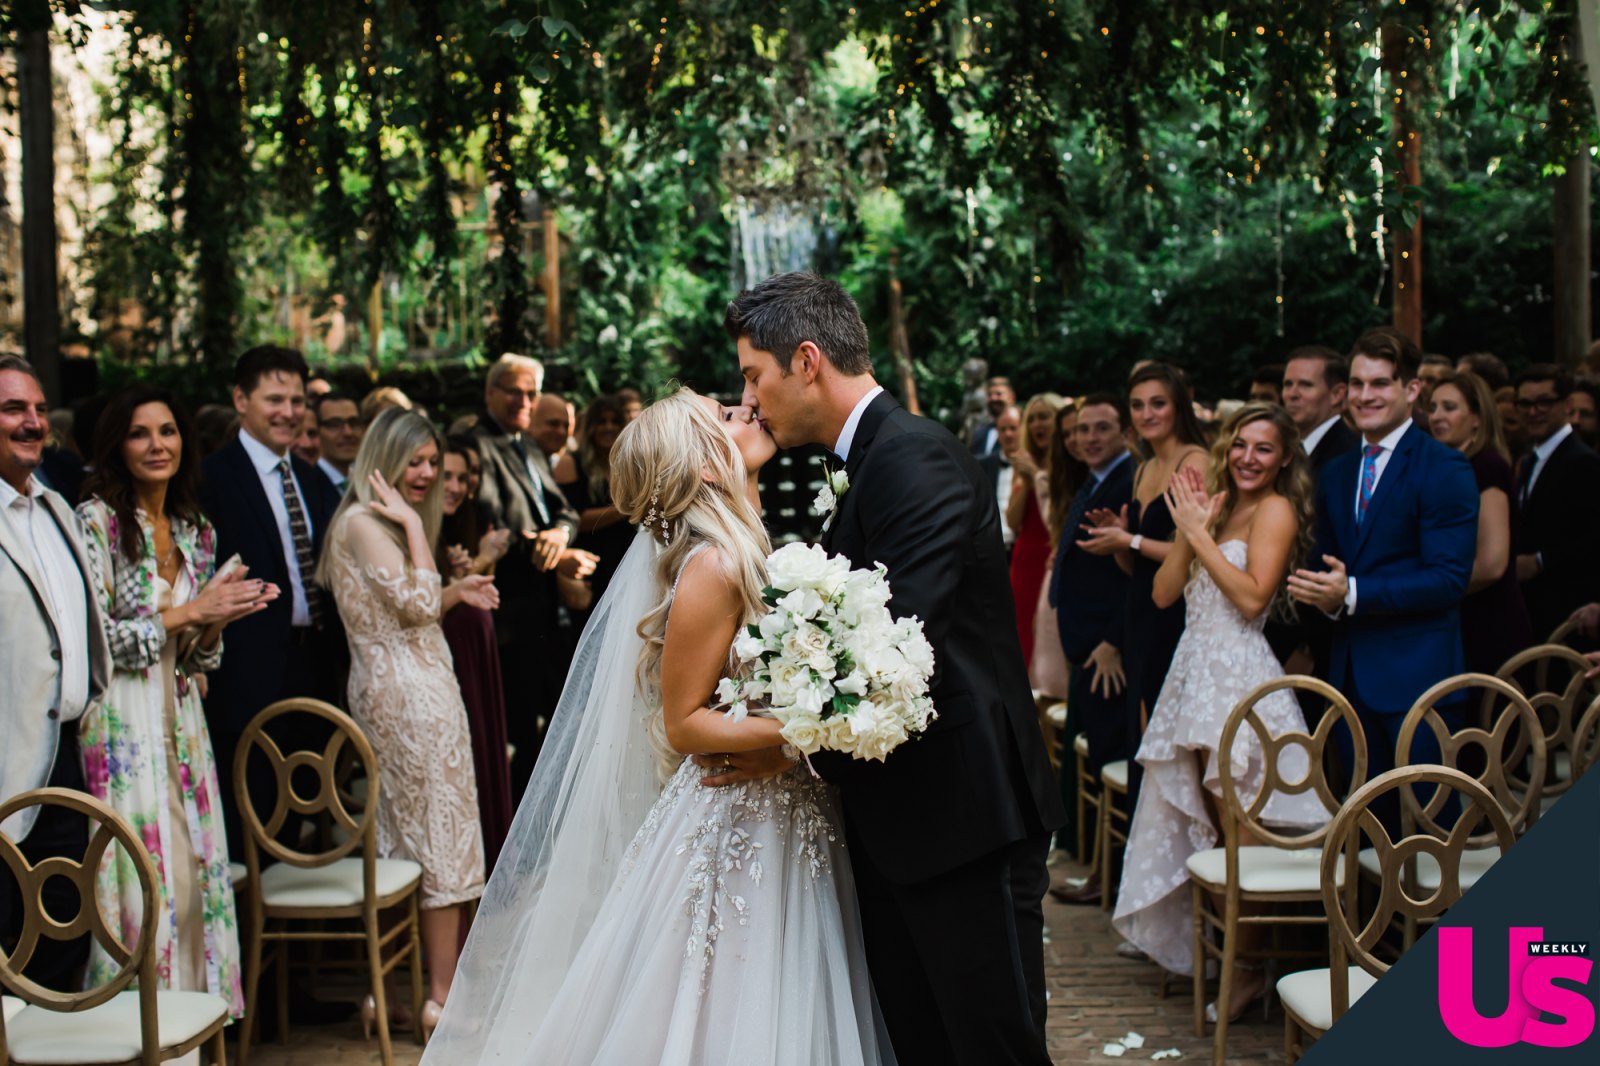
(1397, 527)
(272, 509)
(1089, 593)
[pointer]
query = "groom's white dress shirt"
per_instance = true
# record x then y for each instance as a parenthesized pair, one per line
(847, 435)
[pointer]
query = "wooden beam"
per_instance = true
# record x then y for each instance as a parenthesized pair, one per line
(41, 308)
(1406, 150)
(552, 281)
(1571, 266)
(899, 342)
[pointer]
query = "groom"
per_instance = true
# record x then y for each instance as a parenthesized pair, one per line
(948, 837)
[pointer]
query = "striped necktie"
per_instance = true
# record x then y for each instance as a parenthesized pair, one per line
(1369, 478)
(300, 530)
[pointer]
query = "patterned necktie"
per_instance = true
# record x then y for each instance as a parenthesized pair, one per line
(1369, 478)
(300, 530)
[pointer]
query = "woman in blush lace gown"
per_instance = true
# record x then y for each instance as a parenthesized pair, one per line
(1235, 544)
(690, 925)
(379, 562)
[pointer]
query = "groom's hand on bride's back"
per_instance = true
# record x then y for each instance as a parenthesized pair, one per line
(745, 766)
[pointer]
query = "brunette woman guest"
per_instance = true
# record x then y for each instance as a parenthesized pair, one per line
(602, 529)
(1048, 672)
(1170, 439)
(1494, 619)
(1025, 511)
(469, 631)
(146, 749)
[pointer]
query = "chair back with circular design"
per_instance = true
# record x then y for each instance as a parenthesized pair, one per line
(1552, 677)
(1586, 740)
(1240, 812)
(1514, 752)
(1564, 632)
(331, 799)
(137, 963)
(1349, 939)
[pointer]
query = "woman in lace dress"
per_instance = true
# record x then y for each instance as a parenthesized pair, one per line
(1240, 530)
(691, 926)
(379, 562)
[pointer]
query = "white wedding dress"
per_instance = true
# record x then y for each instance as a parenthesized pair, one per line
(723, 931)
(1221, 657)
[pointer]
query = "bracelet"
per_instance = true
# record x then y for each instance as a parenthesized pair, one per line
(792, 753)
(1138, 539)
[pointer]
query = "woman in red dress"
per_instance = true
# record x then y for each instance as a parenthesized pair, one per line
(1026, 509)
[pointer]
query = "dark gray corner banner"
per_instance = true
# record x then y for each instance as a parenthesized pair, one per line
(1531, 928)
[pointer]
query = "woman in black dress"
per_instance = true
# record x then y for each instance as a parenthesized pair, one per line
(1494, 619)
(1170, 439)
(602, 529)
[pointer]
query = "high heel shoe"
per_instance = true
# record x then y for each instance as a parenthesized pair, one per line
(369, 1017)
(431, 1012)
(1258, 994)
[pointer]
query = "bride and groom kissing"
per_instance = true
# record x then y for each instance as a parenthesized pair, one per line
(754, 909)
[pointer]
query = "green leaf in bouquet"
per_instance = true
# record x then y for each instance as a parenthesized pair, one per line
(842, 704)
(771, 595)
(754, 630)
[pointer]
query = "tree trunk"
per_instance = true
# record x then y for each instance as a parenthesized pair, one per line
(1571, 246)
(899, 342)
(41, 308)
(552, 281)
(1406, 143)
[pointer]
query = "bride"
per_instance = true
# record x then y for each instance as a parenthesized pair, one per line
(631, 923)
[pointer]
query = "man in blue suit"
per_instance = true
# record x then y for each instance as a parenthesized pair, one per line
(1089, 593)
(1397, 526)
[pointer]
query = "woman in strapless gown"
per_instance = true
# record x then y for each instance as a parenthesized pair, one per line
(1239, 544)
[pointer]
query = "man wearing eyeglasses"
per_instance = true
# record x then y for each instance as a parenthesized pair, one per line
(1558, 486)
(339, 429)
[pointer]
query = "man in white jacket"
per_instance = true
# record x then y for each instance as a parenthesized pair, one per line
(54, 660)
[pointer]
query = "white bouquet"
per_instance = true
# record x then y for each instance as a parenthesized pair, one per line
(829, 661)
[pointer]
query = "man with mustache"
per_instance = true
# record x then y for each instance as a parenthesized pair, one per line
(55, 661)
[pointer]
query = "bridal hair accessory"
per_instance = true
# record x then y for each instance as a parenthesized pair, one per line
(650, 518)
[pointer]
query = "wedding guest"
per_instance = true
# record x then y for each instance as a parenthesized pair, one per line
(1505, 405)
(1048, 672)
(318, 387)
(403, 691)
(381, 399)
(1585, 412)
(146, 749)
(55, 662)
(996, 465)
(1488, 366)
(1089, 593)
(1494, 620)
(467, 545)
(632, 403)
(1140, 535)
(999, 396)
(602, 529)
(1559, 489)
(215, 424)
(1432, 370)
(308, 444)
(552, 430)
(1397, 531)
(271, 509)
(1027, 502)
(1267, 384)
(339, 430)
(1241, 527)
(520, 495)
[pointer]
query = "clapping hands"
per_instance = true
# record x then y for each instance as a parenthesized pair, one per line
(1107, 529)
(1193, 509)
(231, 596)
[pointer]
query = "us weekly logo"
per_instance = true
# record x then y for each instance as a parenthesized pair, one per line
(1550, 1001)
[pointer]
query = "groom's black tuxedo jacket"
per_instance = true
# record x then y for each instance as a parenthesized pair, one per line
(978, 780)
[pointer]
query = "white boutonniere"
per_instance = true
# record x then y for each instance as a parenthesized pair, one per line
(835, 483)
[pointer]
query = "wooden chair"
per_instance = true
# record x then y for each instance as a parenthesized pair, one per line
(312, 888)
(1088, 797)
(1314, 999)
(112, 1023)
(1286, 868)
(1558, 691)
(1052, 719)
(1586, 741)
(1112, 836)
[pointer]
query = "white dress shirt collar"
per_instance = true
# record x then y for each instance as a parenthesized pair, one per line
(263, 458)
(9, 495)
(1310, 441)
(1105, 471)
(339, 479)
(1551, 443)
(847, 435)
(1389, 443)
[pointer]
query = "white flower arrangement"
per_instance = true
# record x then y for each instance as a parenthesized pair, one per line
(826, 504)
(829, 661)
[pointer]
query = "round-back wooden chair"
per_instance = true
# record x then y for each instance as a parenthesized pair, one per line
(1285, 868)
(1314, 999)
(113, 1022)
(1586, 740)
(1552, 677)
(345, 879)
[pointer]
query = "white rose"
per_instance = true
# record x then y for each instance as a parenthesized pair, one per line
(773, 625)
(802, 603)
(797, 565)
(804, 733)
(809, 645)
(908, 686)
(917, 651)
(748, 647)
(852, 684)
(810, 698)
(878, 731)
(786, 678)
(840, 735)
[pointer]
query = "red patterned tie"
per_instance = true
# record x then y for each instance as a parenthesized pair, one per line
(1369, 478)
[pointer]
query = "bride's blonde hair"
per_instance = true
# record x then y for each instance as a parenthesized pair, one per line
(676, 472)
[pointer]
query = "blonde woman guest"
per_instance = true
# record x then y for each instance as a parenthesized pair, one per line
(1240, 530)
(379, 562)
(146, 749)
(1494, 618)
(1026, 508)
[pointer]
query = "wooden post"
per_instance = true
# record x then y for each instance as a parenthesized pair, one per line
(1571, 247)
(899, 342)
(41, 308)
(552, 280)
(1407, 152)
(374, 325)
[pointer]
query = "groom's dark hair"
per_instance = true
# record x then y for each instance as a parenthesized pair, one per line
(787, 309)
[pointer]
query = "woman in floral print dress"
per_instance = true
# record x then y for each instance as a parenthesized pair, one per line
(146, 750)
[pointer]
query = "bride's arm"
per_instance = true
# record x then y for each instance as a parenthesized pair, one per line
(706, 612)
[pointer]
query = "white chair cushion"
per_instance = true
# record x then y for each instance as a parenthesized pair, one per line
(1262, 869)
(240, 873)
(336, 885)
(12, 1005)
(1080, 744)
(1474, 864)
(1308, 994)
(1057, 713)
(109, 1032)
(1115, 773)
